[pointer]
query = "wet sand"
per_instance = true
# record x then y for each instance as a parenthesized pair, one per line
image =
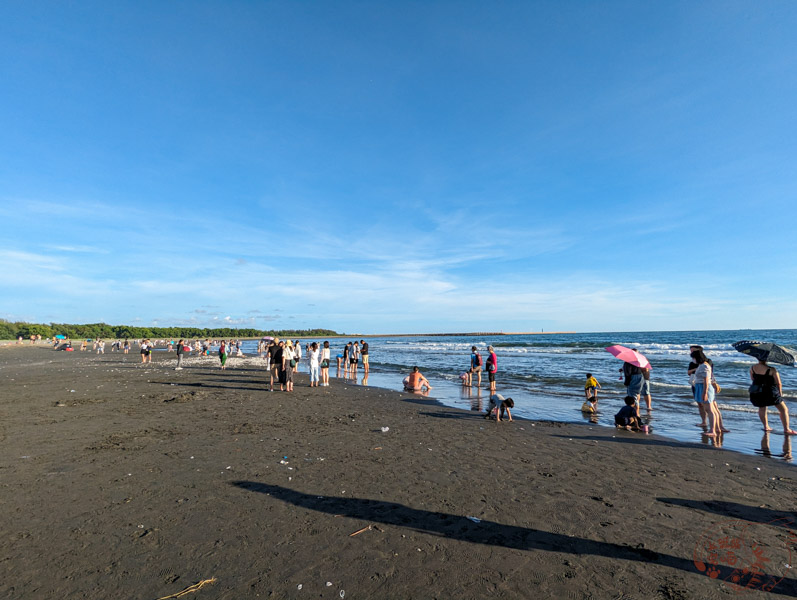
(144, 481)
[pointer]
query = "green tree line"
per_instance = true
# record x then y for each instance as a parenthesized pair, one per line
(11, 330)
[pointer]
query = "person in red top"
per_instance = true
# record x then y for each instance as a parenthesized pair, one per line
(415, 382)
(492, 367)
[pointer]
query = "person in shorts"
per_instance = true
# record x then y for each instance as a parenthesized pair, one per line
(591, 387)
(645, 393)
(325, 361)
(704, 391)
(354, 357)
(364, 354)
(475, 367)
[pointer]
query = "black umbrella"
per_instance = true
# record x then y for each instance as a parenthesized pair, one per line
(767, 351)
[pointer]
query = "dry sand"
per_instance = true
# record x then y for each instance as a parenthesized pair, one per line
(144, 481)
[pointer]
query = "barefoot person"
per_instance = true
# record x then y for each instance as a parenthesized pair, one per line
(645, 393)
(498, 406)
(416, 382)
(704, 392)
(492, 367)
(325, 365)
(690, 371)
(364, 356)
(766, 391)
(591, 387)
(628, 416)
(475, 367)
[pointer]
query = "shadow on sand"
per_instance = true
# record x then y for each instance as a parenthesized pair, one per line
(457, 527)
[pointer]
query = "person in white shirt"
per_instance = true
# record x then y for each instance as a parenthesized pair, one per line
(325, 365)
(314, 364)
(297, 353)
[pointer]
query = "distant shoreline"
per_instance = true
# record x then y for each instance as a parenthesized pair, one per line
(466, 334)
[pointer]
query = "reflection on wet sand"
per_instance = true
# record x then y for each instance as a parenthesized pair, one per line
(765, 451)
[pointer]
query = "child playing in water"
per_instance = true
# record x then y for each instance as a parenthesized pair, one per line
(628, 416)
(591, 388)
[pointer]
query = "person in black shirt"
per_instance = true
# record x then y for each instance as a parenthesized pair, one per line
(274, 363)
(628, 416)
(364, 354)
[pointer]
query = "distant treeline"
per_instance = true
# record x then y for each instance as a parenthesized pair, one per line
(9, 331)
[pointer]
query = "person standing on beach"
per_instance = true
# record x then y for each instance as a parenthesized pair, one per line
(346, 350)
(704, 391)
(297, 353)
(766, 391)
(492, 367)
(354, 358)
(364, 354)
(313, 355)
(223, 354)
(646, 388)
(632, 379)
(475, 367)
(325, 365)
(180, 352)
(288, 364)
(274, 352)
(690, 371)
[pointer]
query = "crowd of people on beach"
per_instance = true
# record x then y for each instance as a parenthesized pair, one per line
(283, 358)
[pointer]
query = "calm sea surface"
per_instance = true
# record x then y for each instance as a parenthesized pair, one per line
(545, 376)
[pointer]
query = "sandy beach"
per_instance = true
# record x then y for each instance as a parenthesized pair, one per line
(127, 481)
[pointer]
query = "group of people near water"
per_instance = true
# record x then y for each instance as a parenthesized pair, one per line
(766, 390)
(283, 356)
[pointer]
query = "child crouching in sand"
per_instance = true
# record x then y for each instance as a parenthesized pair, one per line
(628, 416)
(498, 405)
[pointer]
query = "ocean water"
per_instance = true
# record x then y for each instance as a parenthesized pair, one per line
(545, 376)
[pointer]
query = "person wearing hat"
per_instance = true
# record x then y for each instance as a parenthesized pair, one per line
(492, 367)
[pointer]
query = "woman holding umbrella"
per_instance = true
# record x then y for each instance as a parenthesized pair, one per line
(766, 391)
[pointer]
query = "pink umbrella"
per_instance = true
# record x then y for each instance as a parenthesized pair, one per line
(630, 356)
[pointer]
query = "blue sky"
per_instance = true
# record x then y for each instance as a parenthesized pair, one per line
(384, 167)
